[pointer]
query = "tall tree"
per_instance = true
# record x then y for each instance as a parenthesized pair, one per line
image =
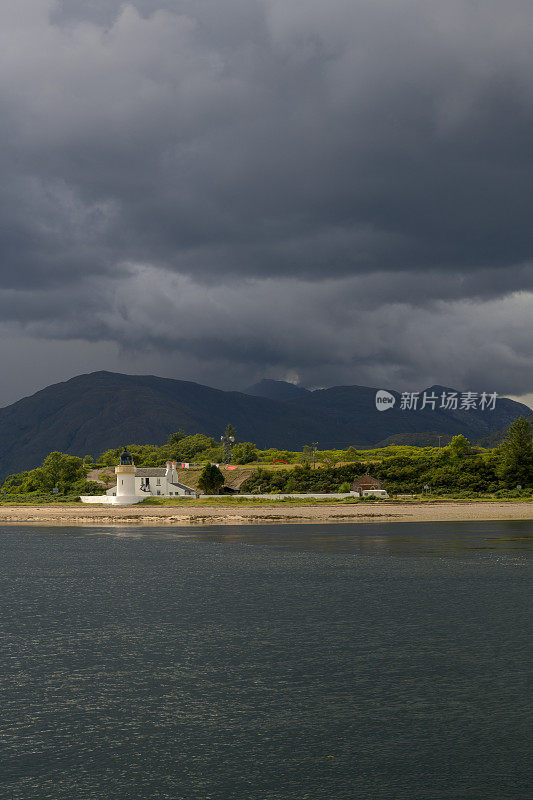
(459, 446)
(307, 454)
(230, 431)
(516, 454)
(211, 479)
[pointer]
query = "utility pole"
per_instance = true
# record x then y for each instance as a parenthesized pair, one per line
(439, 437)
(314, 446)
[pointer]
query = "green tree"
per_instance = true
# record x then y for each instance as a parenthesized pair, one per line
(516, 454)
(61, 471)
(18, 483)
(214, 454)
(175, 438)
(211, 479)
(291, 485)
(307, 454)
(459, 446)
(110, 457)
(244, 453)
(192, 446)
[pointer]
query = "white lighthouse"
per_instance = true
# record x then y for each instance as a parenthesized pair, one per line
(135, 485)
(125, 472)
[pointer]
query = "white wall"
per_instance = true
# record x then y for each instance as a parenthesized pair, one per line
(164, 488)
(110, 500)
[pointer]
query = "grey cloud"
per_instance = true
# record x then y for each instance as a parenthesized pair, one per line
(320, 332)
(335, 141)
(272, 187)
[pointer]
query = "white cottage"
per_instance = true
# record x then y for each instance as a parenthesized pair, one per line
(136, 483)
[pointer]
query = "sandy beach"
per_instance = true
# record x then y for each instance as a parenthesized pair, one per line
(264, 514)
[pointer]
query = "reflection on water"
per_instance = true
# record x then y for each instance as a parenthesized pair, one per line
(421, 538)
(445, 539)
(290, 662)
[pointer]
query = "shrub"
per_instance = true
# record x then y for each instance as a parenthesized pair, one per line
(211, 479)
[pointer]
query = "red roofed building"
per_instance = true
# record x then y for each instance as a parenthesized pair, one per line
(367, 485)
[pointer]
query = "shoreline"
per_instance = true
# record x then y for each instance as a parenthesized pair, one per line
(454, 511)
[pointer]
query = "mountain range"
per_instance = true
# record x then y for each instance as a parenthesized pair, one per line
(91, 413)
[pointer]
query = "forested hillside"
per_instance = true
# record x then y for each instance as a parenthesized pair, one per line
(91, 413)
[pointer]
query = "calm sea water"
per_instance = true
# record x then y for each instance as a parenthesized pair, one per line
(266, 663)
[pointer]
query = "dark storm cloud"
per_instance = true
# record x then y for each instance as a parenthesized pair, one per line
(302, 188)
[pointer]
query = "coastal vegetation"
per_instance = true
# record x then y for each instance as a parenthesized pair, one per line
(59, 476)
(456, 470)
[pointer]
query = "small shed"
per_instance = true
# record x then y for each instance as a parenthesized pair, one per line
(365, 483)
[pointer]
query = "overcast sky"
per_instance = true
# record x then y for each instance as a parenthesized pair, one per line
(329, 192)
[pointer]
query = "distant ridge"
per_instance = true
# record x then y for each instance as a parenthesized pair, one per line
(276, 390)
(91, 413)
